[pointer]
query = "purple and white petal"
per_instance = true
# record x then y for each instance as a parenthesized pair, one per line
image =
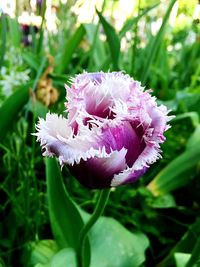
(97, 172)
(113, 131)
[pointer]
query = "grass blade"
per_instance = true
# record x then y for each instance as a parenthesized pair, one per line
(14, 32)
(130, 23)
(69, 48)
(155, 44)
(41, 33)
(113, 40)
(3, 38)
(97, 53)
(31, 60)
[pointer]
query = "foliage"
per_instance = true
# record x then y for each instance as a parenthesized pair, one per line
(156, 218)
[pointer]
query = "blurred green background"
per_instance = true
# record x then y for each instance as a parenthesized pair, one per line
(44, 43)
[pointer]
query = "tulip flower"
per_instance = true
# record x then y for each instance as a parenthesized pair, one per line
(112, 133)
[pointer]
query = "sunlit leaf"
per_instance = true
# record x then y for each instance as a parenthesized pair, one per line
(181, 259)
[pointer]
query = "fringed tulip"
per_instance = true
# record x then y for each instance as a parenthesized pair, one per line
(113, 131)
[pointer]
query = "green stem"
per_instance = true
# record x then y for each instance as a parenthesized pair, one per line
(101, 203)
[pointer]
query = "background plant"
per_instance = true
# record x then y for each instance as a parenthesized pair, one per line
(157, 43)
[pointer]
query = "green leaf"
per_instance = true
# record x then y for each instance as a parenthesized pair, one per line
(178, 172)
(130, 22)
(39, 73)
(120, 246)
(41, 31)
(194, 139)
(189, 101)
(64, 258)
(11, 107)
(69, 48)
(181, 259)
(14, 32)
(188, 243)
(112, 246)
(59, 79)
(154, 45)
(195, 257)
(37, 108)
(113, 40)
(162, 202)
(42, 251)
(66, 221)
(194, 117)
(3, 38)
(97, 52)
(31, 59)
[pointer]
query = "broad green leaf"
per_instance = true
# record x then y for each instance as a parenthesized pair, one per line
(178, 172)
(66, 221)
(120, 246)
(112, 246)
(69, 48)
(11, 107)
(64, 258)
(113, 40)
